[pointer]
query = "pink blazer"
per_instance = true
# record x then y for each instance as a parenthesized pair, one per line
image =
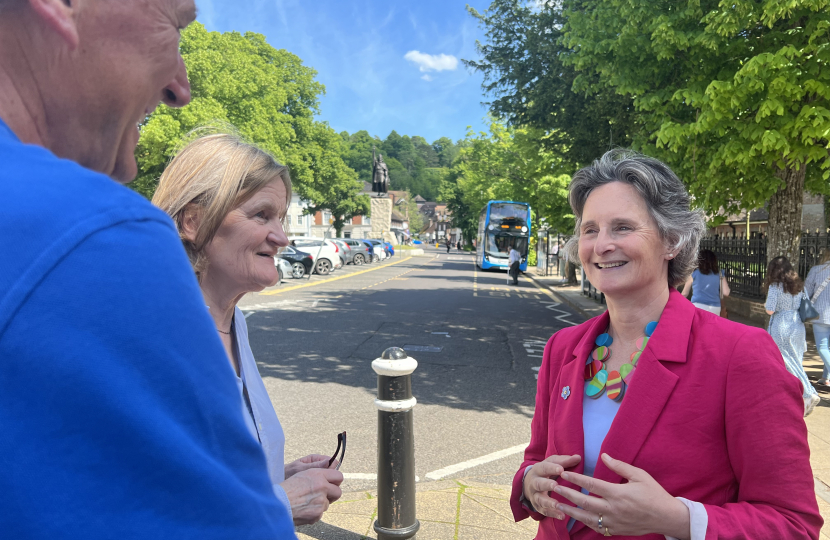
(711, 413)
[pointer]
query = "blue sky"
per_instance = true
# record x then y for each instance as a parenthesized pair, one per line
(386, 65)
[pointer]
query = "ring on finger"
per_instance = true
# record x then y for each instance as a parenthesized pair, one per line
(599, 523)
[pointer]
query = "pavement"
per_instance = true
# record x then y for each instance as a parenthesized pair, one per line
(475, 398)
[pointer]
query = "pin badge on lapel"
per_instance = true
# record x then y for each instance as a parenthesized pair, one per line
(566, 392)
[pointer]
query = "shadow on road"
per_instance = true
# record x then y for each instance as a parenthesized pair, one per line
(480, 361)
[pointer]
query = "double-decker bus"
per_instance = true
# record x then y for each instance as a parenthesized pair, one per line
(500, 225)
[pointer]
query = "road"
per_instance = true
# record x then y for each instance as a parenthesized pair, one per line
(479, 339)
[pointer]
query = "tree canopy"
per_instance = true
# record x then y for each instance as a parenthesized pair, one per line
(733, 96)
(414, 164)
(270, 98)
(523, 61)
(508, 164)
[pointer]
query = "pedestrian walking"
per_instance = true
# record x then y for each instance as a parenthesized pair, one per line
(817, 289)
(226, 249)
(708, 284)
(458, 245)
(120, 418)
(673, 434)
(515, 260)
(785, 291)
(449, 243)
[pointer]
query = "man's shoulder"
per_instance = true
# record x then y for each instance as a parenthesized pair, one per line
(34, 181)
(51, 205)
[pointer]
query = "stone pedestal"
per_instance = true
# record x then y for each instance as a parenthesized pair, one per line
(381, 215)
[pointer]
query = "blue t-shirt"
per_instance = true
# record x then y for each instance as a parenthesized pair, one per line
(119, 414)
(706, 288)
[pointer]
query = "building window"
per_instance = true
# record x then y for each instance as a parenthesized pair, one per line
(300, 219)
(367, 221)
(326, 218)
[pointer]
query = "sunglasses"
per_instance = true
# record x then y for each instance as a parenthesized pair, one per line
(341, 441)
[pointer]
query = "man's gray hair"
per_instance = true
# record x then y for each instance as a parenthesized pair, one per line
(666, 198)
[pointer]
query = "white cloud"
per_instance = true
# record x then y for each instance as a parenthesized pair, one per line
(432, 62)
(426, 77)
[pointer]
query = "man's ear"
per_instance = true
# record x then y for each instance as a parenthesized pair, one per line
(59, 15)
(190, 221)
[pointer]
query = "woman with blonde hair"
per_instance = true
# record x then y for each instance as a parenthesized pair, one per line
(228, 200)
(816, 286)
(785, 291)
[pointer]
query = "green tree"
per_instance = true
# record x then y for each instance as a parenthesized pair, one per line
(357, 152)
(268, 95)
(508, 164)
(523, 61)
(334, 186)
(736, 95)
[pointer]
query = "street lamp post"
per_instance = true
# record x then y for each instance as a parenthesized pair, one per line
(396, 446)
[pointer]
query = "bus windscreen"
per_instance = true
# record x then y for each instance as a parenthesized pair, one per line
(508, 212)
(498, 245)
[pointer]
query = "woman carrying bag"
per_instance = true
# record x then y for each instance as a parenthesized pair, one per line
(785, 292)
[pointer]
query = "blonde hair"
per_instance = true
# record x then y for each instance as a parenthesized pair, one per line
(216, 172)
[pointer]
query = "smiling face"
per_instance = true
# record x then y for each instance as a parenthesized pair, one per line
(126, 63)
(619, 245)
(241, 254)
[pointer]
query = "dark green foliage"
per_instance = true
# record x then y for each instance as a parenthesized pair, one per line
(525, 70)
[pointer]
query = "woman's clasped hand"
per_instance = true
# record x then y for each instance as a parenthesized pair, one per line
(640, 506)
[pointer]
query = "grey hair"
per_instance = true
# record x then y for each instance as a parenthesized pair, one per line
(667, 200)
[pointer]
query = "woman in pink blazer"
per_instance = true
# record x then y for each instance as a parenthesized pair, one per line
(658, 419)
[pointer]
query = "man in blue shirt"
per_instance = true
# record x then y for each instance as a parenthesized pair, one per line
(119, 414)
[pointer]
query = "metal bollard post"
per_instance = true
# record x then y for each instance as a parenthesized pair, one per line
(396, 446)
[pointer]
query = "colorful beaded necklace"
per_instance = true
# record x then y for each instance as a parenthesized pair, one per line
(616, 381)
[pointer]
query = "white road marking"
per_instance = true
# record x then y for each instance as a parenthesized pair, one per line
(458, 467)
(367, 476)
(249, 314)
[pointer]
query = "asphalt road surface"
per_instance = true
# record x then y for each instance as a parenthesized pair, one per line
(477, 341)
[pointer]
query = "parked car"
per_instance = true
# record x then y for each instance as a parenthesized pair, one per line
(301, 262)
(361, 253)
(346, 255)
(325, 252)
(378, 249)
(371, 246)
(390, 249)
(284, 268)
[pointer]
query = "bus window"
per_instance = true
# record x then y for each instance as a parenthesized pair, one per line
(507, 211)
(498, 245)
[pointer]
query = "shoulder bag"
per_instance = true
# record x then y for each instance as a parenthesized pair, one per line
(806, 310)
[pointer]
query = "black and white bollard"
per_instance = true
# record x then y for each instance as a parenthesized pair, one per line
(396, 446)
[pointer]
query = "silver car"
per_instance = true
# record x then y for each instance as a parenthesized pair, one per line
(283, 268)
(360, 251)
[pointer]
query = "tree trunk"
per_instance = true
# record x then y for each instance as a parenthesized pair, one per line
(785, 216)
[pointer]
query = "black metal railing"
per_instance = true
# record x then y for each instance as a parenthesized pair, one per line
(745, 261)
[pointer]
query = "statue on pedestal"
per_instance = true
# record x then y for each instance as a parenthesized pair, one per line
(380, 174)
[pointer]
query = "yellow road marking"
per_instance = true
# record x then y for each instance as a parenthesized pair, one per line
(313, 283)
